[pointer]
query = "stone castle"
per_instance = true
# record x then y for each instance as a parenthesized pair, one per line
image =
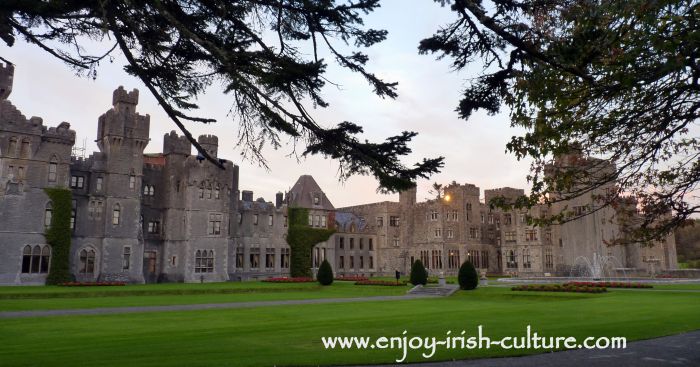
(175, 217)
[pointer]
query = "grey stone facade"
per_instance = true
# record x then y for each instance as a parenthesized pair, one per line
(176, 217)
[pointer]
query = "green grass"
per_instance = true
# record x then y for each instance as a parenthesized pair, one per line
(57, 298)
(290, 335)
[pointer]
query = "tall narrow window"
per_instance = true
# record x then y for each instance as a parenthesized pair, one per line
(270, 258)
(53, 168)
(126, 258)
(48, 214)
(45, 259)
(73, 214)
(255, 258)
(26, 259)
(98, 184)
(36, 259)
(12, 149)
(201, 191)
(239, 257)
(217, 191)
(132, 181)
(116, 214)
(209, 191)
(284, 258)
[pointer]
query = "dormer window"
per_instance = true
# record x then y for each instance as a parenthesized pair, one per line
(317, 199)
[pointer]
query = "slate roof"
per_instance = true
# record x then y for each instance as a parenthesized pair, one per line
(303, 192)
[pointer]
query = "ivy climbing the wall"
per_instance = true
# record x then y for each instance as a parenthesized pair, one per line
(301, 239)
(58, 235)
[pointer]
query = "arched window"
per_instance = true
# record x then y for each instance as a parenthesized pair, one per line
(210, 262)
(151, 190)
(48, 214)
(510, 260)
(209, 191)
(36, 259)
(26, 259)
(87, 261)
(53, 169)
(145, 190)
(116, 214)
(45, 259)
(198, 261)
(25, 151)
(12, 149)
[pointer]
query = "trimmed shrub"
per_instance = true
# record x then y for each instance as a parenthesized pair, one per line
(325, 273)
(418, 273)
(467, 277)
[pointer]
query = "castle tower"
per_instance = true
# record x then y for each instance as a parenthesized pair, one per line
(175, 144)
(6, 74)
(210, 143)
(122, 135)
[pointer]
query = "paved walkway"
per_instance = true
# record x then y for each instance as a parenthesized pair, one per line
(194, 307)
(675, 350)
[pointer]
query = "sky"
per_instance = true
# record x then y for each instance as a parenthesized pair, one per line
(429, 90)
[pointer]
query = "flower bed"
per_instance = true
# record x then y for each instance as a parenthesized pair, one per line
(559, 288)
(92, 284)
(609, 284)
(352, 278)
(289, 280)
(380, 282)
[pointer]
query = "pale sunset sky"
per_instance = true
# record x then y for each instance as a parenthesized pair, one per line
(428, 90)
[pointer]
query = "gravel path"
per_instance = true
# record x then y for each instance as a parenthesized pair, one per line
(194, 307)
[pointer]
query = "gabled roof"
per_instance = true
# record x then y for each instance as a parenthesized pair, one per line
(303, 193)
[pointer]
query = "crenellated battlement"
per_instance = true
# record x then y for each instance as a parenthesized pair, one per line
(7, 73)
(175, 144)
(210, 143)
(61, 134)
(120, 95)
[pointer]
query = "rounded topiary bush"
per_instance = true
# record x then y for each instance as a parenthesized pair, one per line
(468, 278)
(325, 273)
(418, 273)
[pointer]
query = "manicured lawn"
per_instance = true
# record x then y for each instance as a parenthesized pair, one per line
(56, 298)
(290, 335)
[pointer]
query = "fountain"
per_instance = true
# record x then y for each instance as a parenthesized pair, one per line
(596, 268)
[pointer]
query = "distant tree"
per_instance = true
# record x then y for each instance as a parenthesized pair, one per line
(467, 276)
(267, 55)
(617, 80)
(418, 273)
(325, 273)
(688, 241)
